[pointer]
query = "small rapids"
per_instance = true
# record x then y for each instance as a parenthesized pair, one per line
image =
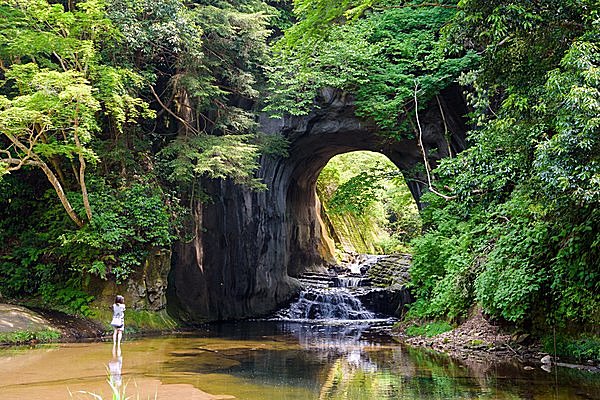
(328, 304)
(331, 296)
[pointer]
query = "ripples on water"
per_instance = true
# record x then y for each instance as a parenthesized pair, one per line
(359, 360)
(278, 360)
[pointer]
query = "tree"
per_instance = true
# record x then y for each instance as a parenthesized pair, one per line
(376, 50)
(526, 191)
(52, 91)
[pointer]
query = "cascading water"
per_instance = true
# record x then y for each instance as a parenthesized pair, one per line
(330, 296)
(351, 281)
(334, 303)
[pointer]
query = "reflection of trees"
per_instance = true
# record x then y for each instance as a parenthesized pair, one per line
(353, 362)
(346, 380)
(396, 373)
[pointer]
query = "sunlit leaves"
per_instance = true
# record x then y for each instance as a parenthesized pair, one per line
(217, 157)
(379, 58)
(364, 190)
(569, 160)
(527, 187)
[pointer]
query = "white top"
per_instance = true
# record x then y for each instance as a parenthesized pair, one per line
(119, 311)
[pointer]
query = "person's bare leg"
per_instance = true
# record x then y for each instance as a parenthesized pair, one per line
(114, 339)
(119, 336)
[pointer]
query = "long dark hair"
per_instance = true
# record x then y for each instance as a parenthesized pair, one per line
(119, 299)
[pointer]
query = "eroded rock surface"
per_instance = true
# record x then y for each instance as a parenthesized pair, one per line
(249, 246)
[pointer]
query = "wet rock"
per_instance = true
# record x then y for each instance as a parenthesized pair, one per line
(546, 367)
(546, 360)
(145, 289)
(390, 300)
(15, 318)
(520, 338)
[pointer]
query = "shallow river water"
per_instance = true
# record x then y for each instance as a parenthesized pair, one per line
(273, 360)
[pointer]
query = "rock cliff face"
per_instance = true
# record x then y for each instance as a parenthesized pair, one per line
(249, 246)
(144, 290)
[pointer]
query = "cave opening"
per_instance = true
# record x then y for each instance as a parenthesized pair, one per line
(249, 246)
(366, 206)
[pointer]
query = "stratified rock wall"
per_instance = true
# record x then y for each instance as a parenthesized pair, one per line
(145, 289)
(248, 245)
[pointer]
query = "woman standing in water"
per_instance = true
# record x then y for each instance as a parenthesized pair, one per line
(118, 323)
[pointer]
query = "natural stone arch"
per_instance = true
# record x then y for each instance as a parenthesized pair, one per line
(248, 244)
(333, 130)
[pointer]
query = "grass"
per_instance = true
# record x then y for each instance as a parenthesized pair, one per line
(21, 337)
(428, 329)
(117, 393)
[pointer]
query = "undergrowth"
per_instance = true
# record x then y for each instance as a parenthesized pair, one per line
(429, 329)
(21, 337)
(138, 321)
(582, 348)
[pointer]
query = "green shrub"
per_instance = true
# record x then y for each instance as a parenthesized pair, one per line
(20, 337)
(585, 347)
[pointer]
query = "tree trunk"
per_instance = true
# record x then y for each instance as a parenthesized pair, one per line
(84, 192)
(60, 192)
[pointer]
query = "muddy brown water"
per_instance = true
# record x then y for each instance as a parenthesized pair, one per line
(273, 360)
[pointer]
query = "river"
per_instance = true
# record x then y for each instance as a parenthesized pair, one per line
(273, 360)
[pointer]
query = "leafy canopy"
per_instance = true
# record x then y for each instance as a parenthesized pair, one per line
(381, 55)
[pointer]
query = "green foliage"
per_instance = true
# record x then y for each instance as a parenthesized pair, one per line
(146, 97)
(382, 58)
(189, 158)
(356, 194)
(525, 192)
(127, 225)
(51, 259)
(22, 337)
(66, 297)
(429, 329)
(366, 202)
(582, 348)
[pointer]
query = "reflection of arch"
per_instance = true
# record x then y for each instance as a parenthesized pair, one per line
(247, 243)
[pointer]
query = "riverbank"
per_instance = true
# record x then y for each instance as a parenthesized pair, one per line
(22, 325)
(477, 340)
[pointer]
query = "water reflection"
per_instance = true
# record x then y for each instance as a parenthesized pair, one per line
(115, 365)
(276, 360)
(352, 361)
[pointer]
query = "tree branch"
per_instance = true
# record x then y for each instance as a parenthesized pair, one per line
(446, 131)
(84, 192)
(37, 161)
(420, 142)
(177, 117)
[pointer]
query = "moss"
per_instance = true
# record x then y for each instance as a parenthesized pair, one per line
(476, 342)
(138, 321)
(21, 337)
(359, 234)
(428, 329)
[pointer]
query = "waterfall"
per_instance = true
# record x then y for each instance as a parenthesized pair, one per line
(333, 294)
(351, 281)
(326, 304)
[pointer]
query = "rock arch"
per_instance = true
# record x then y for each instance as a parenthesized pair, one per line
(249, 245)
